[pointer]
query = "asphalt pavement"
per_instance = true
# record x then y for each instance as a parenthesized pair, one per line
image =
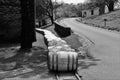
(106, 49)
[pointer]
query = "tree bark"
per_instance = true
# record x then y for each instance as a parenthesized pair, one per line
(102, 9)
(111, 6)
(52, 12)
(52, 20)
(28, 23)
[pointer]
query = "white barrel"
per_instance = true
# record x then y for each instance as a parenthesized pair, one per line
(63, 61)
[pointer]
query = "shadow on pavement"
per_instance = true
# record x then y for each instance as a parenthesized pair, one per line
(86, 64)
(24, 64)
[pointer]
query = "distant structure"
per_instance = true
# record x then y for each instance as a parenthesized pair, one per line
(95, 11)
(92, 12)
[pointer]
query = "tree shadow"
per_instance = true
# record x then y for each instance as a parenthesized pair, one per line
(87, 60)
(36, 70)
(30, 63)
(7, 45)
(86, 64)
(18, 65)
(42, 72)
(47, 75)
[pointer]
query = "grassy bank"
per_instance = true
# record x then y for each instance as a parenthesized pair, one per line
(112, 23)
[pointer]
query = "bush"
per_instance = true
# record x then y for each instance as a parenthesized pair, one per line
(10, 22)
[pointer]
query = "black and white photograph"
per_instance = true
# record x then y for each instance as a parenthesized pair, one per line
(59, 39)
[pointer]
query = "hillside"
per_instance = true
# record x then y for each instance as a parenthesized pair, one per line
(112, 23)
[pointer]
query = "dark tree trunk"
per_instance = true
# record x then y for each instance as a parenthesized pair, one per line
(102, 9)
(43, 22)
(28, 23)
(52, 20)
(52, 12)
(39, 24)
(111, 6)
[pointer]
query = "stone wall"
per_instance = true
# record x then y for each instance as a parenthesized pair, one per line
(62, 31)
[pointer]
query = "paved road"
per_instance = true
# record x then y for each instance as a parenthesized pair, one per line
(106, 48)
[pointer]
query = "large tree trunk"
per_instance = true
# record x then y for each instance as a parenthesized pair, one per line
(111, 6)
(28, 23)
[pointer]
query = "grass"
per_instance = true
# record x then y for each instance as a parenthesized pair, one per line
(113, 21)
(71, 40)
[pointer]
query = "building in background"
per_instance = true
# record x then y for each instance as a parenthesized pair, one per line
(95, 11)
(92, 12)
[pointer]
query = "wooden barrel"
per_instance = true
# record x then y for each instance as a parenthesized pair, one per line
(63, 61)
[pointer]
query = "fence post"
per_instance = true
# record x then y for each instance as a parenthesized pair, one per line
(105, 20)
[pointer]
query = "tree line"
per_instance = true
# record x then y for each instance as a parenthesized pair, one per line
(58, 10)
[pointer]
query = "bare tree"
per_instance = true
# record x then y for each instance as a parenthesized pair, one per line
(47, 6)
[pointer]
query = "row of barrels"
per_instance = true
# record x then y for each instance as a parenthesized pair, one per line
(60, 57)
(64, 59)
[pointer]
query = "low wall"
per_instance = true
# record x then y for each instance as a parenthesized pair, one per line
(62, 31)
(43, 33)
